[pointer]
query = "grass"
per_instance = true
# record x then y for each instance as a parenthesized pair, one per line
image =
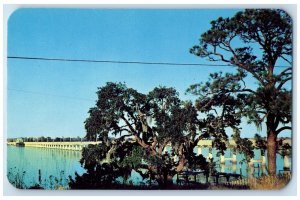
(17, 179)
(259, 183)
(269, 182)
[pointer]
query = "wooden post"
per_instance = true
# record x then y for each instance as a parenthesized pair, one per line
(227, 178)
(40, 176)
(206, 176)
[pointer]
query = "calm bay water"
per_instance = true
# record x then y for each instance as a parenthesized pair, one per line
(241, 167)
(57, 165)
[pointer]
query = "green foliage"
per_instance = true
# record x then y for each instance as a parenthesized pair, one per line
(260, 143)
(165, 106)
(198, 162)
(253, 40)
(135, 130)
(103, 168)
(243, 146)
(134, 159)
(269, 30)
(284, 149)
(219, 105)
(115, 103)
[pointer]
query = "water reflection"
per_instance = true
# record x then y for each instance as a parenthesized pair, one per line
(55, 164)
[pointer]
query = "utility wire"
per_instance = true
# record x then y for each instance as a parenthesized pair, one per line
(119, 62)
(100, 61)
(111, 61)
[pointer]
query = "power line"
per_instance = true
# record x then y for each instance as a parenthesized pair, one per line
(118, 61)
(112, 61)
(53, 95)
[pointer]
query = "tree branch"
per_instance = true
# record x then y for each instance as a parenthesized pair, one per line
(242, 90)
(283, 128)
(283, 82)
(129, 126)
(288, 61)
(284, 72)
(243, 66)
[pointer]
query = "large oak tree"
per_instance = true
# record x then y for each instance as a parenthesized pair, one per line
(159, 126)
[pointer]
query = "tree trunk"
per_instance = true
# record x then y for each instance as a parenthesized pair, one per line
(168, 181)
(272, 146)
(165, 181)
(181, 164)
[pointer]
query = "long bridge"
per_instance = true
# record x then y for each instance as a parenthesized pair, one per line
(75, 146)
(78, 145)
(233, 158)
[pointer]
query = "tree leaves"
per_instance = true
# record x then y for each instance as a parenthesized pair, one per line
(120, 119)
(253, 40)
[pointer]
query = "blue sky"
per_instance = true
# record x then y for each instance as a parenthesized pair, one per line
(52, 98)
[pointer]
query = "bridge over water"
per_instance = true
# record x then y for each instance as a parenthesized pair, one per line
(233, 158)
(76, 146)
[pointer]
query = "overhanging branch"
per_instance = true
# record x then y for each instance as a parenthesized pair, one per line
(283, 128)
(283, 82)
